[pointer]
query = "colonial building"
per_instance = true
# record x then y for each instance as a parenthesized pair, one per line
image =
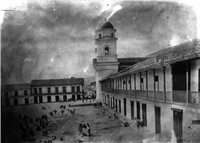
(39, 91)
(15, 94)
(57, 89)
(163, 91)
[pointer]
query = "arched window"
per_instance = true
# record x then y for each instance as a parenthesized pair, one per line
(112, 35)
(106, 50)
(99, 35)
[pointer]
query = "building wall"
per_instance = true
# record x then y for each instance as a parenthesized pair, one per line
(190, 110)
(168, 79)
(194, 69)
(150, 80)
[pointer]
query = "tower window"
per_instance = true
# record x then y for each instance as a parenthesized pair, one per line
(99, 35)
(106, 50)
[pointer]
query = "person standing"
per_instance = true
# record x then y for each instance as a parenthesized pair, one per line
(104, 112)
(88, 129)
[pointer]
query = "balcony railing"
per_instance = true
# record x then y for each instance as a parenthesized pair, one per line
(151, 95)
(194, 97)
(163, 96)
(179, 96)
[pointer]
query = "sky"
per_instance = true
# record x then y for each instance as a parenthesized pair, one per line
(45, 39)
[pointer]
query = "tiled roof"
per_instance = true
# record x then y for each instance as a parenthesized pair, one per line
(127, 62)
(15, 86)
(185, 51)
(52, 82)
(182, 52)
(131, 60)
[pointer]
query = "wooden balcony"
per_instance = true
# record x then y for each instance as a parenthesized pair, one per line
(161, 96)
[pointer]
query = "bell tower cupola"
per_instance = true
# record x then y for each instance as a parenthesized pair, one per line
(105, 42)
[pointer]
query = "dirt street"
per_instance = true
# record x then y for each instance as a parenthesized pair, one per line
(65, 127)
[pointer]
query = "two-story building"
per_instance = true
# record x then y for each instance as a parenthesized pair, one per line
(52, 90)
(15, 94)
(39, 91)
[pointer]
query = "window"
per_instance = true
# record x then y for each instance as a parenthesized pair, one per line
(25, 92)
(78, 88)
(106, 50)
(56, 88)
(16, 93)
(99, 35)
(6, 94)
(64, 89)
(156, 83)
(35, 90)
(40, 90)
(141, 84)
(73, 89)
(49, 89)
(156, 78)
(141, 80)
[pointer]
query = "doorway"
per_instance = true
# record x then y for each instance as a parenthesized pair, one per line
(15, 102)
(64, 97)
(116, 105)
(138, 110)
(26, 101)
(48, 98)
(40, 99)
(157, 120)
(144, 114)
(73, 97)
(57, 98)
(120, 106)
(132, 109)
(124, 106)
(113, 102)
(35, 99)
(78, 97)
(178, 120)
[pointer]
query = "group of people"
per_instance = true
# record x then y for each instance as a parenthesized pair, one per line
(26, 125)
(86, 127)
(98, 104)
(62, 108)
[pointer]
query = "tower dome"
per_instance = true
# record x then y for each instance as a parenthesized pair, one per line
(106, 25)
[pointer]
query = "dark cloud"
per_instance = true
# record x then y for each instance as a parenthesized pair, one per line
(56, 39)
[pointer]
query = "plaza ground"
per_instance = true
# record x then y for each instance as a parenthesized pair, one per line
(103, 128)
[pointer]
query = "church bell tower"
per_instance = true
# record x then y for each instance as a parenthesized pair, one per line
(106, 62)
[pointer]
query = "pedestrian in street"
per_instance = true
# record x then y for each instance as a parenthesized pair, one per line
(88, 129)
(80, 129)
(104, 112)
(62, 111)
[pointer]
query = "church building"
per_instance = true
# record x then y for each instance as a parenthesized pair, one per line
(107, 62)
